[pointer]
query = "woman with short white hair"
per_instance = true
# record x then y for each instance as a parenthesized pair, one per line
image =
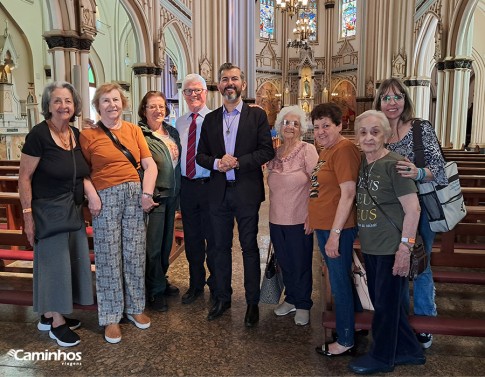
(292, 238)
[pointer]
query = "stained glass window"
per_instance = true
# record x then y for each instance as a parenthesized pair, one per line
(310, 13)
(349, 18)
(266, 19)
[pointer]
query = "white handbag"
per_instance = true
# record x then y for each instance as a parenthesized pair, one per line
(444, 205)
(360, 281)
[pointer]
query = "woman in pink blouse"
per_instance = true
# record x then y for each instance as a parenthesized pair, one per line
(292, 238)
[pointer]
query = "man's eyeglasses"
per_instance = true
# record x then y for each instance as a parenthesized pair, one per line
(292, 123)
(395, 97)
(156, 107)
(188, 92)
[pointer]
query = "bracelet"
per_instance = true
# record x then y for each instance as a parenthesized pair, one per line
(408, 239)
(423, 174)
(147, 195)
(27, 210)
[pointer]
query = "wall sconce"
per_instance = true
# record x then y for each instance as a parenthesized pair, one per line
(127, 60)
(174, 70)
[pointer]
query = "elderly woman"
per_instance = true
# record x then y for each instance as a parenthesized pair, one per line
(119, 230)
(394, 101)
(164, 144)
(332, 215)
(289, 182)
(386, 250)
(62, 270)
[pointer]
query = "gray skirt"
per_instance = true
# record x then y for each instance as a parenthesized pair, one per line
(62, 272)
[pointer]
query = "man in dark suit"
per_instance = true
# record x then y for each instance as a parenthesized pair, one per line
(235, 142)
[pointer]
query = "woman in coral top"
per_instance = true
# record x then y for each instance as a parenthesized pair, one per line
(119, 230)
(289, 182)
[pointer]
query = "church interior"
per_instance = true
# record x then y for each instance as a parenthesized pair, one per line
(294, 52)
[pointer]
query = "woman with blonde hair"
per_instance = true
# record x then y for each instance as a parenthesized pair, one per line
(119, 230)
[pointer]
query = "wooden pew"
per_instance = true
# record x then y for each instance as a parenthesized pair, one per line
(467, 170)
(9, 170)
(473, 195)
(9, 162)
(472, 180)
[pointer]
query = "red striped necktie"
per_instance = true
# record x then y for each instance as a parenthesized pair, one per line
(190, 160)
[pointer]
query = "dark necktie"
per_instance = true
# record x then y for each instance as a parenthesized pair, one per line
(190, 160)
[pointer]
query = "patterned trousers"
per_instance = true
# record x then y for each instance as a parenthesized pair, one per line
(119, 247)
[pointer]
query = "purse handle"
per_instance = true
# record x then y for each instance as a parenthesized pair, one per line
(73, 160)
(121, 147)
(270, 252)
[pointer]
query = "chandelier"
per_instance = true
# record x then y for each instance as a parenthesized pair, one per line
(291, 6)
(302, 32)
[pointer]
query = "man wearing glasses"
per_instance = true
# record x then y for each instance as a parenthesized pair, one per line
(235, 142)
(194, 202)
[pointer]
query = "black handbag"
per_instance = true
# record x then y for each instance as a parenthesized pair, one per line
(418, 257)
(122, 148)
(59, 214)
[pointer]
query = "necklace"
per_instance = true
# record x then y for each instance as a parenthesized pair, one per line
(228, 124)
(65, 140)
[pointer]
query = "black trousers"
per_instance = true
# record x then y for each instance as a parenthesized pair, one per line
(247, 217)
(198, 233)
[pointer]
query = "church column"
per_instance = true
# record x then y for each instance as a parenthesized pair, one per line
(420, 92)
(84, 52)
(241, 29)
(454, 95)
(329, 36)
(440, 100)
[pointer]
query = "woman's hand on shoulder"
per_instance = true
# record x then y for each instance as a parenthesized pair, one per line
(89, 123)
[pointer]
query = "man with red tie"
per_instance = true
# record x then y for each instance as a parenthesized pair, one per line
(194, 196)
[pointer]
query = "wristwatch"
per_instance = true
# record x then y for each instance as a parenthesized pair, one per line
(338, 230)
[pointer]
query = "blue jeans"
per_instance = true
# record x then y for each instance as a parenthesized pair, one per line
(339, 270)
(423, 286)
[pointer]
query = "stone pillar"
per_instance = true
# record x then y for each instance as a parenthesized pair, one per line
(452, 98)
(420, 92)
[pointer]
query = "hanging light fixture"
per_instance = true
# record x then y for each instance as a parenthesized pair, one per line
(291, 6)
(302, 32)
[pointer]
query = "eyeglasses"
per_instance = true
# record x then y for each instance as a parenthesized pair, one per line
(395, 97)
(292, 123)
(188, 92)
(156, 107)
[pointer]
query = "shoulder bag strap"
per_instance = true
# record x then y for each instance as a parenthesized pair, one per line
(120, 146)
(71, 135)
(418, 147)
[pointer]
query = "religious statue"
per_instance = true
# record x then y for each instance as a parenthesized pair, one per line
(306, 88)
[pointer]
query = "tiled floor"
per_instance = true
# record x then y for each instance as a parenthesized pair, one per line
(181, 342)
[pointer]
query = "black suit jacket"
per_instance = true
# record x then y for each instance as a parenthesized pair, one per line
(253, 149)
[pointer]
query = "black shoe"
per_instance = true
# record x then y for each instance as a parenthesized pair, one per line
(158, 303)
(46, 323)
(218, 309)
(368, 365)
(171, 290)
(425, 339)
(191, 295)
(252, 315)
(64, 336)
(323, 350)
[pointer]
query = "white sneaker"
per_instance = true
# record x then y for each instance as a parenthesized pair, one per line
(284, 309)
(302, 317)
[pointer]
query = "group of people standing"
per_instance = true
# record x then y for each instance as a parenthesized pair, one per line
(134, 178)
(343, 193)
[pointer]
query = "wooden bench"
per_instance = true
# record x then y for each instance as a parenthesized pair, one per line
(9, 170)
(420, 324)
(472, 180)
(473, 195)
